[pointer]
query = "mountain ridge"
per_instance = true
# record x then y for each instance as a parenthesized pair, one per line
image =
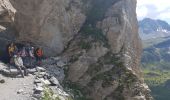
(151, 28)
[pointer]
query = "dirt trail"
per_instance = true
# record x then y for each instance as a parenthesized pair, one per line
(9, 89)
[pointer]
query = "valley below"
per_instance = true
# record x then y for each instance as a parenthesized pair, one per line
(155, 61)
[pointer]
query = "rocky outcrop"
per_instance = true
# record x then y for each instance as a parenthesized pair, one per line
(120, 27)
(6, 13)
(105, 56)
(50, 24)
(97, 38)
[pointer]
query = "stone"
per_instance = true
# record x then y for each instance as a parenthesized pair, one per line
(5, 72)
(139, 98)
(2, 81)
(39, 84)
(40, 69)
(42, 73)
(40, 76)
(39, 88)
(3, 66)
(48, 61)
(33, 98)
(54, 81)
(56, 58)
(37, 81)
(20, 91)
(46, 82)
(14, 71)
(37, 95)
(32, 71)
(60, 63)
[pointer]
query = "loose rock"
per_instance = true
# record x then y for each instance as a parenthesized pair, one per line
(2, 81)
(20, 91)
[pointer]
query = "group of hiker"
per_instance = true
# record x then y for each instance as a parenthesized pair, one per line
(24, 56)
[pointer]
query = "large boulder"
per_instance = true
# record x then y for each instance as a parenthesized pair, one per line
(50, 24)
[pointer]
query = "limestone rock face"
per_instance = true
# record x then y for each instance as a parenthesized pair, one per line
(120, 27)
(6, 13)
(97, 38)
(50, 24)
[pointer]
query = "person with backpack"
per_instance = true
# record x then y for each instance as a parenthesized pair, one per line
(38, 55)
(24, 55)
(12, 49)
(19, 65)
(31, 57)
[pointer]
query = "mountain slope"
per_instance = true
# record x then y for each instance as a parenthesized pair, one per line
(150, 28)
(97, 38)
(156, 66)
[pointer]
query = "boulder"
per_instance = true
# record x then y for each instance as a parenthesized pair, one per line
(60, 63)
(45, 82)
(32, 71)
(54, 81)
(39, 88)
(40, 69)
(20, 91)
(2, 81)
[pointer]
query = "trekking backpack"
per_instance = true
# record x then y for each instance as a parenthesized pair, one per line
(39, 52)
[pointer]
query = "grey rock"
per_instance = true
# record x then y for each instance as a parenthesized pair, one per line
(32, 98)
(2, 81)
(40, 69)
(32, 71)
(42, 73)
(37, 81)
(14, 71)
(56, 58)
(39, 84)
(48, 61)
(46, 82)
(39, 88)
(20, 91)
(54, 81)
(40, 76)
(37, 95)
(60, 63)
(5, 71)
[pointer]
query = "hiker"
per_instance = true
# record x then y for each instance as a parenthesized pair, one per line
(31, 52)
(31, 57)
(19, 64)
(38, 55)
(24, 55)
(12, 49)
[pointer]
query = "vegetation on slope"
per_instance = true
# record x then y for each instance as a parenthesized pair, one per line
(156, 68)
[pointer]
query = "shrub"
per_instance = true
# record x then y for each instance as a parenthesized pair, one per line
(84, 45)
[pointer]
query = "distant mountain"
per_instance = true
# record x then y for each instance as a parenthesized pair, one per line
(150, 28)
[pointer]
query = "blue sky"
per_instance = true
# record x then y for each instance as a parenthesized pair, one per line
(155, 9)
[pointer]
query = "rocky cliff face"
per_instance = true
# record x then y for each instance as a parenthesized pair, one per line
(97, 38)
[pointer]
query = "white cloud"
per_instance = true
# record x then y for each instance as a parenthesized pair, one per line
(164, 15)
(158, 9)
(142, 12)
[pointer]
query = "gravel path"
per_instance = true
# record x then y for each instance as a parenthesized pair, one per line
(9, 89)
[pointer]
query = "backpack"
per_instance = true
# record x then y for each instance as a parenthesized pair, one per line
(11, 49)
(39, 52)
(23, 53)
